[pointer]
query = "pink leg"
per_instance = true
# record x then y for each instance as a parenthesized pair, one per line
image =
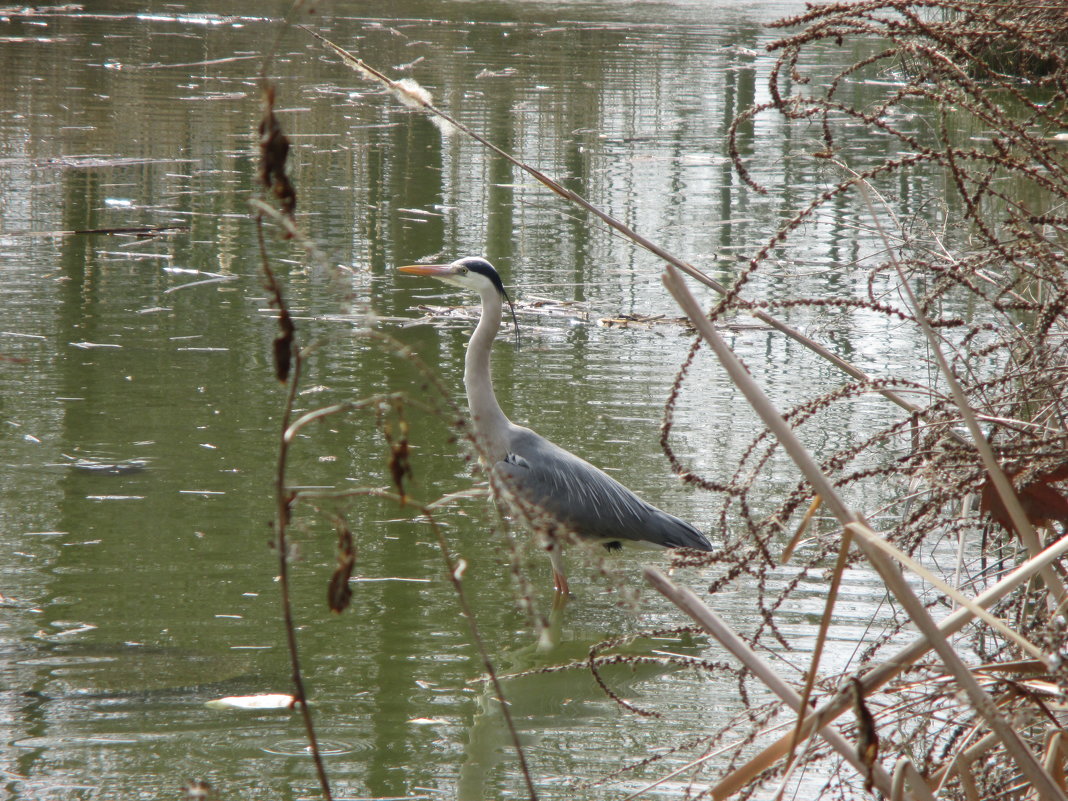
(556, 556)
(560, 582)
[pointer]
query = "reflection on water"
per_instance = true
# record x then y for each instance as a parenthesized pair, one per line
(135, 595)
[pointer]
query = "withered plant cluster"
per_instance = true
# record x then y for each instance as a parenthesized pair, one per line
(988, 292)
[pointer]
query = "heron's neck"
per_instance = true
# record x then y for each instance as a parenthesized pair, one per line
(491, 425)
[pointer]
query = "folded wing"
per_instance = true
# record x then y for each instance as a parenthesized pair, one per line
(587, 500)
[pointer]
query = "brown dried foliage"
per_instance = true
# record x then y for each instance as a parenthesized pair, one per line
(399, 463)
(1004, 261)
(284, 343)
(339, 593)
(1043, 503)
(274, 150)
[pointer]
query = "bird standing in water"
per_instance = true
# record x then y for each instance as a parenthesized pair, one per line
(562, 489)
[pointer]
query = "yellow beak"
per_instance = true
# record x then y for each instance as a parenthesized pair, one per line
(433, 270)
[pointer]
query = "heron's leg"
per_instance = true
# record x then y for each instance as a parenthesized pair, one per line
(560, 600)
(556, 556)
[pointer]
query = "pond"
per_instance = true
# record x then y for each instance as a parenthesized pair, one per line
(140, 413)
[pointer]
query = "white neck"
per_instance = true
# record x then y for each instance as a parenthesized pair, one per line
(491, 425)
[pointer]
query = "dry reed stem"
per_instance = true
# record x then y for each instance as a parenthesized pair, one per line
(780, 429)
(714, 625)
(978, 698)
(953, 593)
(788, 551)
(1012, 372)
(1053, 760)
(1004, 487)
(980, 701)
(891, 667)
(821, 638)
(905, 771)
(962, 759)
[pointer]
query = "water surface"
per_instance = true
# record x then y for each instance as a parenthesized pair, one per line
(134, 595)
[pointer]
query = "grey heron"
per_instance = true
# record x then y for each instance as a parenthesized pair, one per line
(558, 485)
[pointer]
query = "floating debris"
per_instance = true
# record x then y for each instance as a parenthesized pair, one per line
(93, 345)
(260, 701)
(574, 311)
(646, 320)
(507, 72)
(110, 467)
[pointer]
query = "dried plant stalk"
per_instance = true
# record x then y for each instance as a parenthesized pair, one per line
(980, 701)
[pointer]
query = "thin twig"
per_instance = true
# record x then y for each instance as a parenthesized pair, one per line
(893, 666)
(997, 475)
(980, 701)
(283, 510)
(711, 623)
(821, 638)
(455, 570)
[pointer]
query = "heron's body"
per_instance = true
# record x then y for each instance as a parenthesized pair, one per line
(586, 499)
(558, 486)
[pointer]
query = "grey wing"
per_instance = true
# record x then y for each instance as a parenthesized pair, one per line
(585, 499)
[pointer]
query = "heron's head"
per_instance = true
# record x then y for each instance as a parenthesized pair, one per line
(471, 272)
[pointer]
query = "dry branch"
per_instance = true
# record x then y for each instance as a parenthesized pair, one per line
(854, 525)
(711, 623)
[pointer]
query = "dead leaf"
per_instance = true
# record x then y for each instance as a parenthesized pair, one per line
(400, 465)
(1042, 503)
(867, 737)
(339, 593)
(274, 150)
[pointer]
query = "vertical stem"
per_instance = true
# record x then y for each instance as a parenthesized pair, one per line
(283, 506)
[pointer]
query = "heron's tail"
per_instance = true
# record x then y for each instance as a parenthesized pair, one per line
(676, 533)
